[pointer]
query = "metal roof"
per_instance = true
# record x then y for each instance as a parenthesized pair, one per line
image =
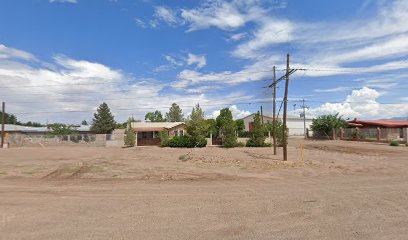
(381, 123)
(154, 126)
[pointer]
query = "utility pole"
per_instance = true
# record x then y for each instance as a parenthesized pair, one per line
(274, 110)
(285, 109)
(3, 116)
(262, 116)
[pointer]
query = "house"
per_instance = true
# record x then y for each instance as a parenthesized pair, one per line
(387, 129)
(148, 133)
(294, 123)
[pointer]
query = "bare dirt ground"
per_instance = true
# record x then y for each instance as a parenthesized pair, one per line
(343, 190)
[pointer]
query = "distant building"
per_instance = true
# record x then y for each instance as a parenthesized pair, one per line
(148, 132)
(294, 123)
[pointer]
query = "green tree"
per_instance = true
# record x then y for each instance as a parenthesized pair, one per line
(196, 125)
(103, 121)
(155, 116)
(257, 133)
(325, 123)
(130, 138)
(279, 131)
(175, 114)
(84, 122)
(240, 125)
(212, 127)
(9, 118)
(227, 127)
(60, 129)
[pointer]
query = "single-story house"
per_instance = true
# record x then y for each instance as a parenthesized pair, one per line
(389, 129)
(294, 123)
(148, 132)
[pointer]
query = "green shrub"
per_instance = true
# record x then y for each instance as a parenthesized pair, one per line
(240, 144)
(130, 138)
(406, 144)
(164, 139)
(186, 142)
(252, 143)
(394, 143)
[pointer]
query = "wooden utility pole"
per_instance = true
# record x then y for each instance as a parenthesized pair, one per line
(285, 109)
(274, 110)
(3, 116)
(262, 116)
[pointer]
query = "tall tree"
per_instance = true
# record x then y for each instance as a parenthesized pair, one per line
(258, 132)
(84, 122)
(240, 125)
(175, 114)
(227, 128)
(155, 116)
(326, 123)
(196, 124)
(103, 121)
(9, 118)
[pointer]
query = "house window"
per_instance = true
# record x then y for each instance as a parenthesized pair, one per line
(181, 133)
(176, 133)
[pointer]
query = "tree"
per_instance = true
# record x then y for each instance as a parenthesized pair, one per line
(325, 123)
(9, 118)
(84, 122)
(196, 125)
(130, 138)
(257, 132)
(227, 127)
(155, 116)
(212, 127)
(279, 131)
(103, 121)
(60, 129)
(175, 114)
(240, 125)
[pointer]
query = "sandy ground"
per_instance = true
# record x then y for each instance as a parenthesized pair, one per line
(343, 190)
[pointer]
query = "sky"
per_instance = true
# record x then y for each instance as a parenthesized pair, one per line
(59, 59)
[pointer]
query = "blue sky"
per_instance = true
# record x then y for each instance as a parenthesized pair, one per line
(141, 55)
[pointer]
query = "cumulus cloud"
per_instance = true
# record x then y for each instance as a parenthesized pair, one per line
(362, 103)
(236, 113)
(7, 52)
(69, 90)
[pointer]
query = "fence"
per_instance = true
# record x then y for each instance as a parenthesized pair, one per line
(18, 139)
(362, 134)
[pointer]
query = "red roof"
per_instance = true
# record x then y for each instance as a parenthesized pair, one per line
(380, 123)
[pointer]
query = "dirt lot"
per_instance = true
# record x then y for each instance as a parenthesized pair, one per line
(343, 190)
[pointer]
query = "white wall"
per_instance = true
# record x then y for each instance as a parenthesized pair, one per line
(295, 125)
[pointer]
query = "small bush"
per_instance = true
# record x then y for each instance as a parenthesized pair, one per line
(164, 139)
(186, 142)
(406, 144)
(252, 143)
(394, 143)
(130, 138)
(240, 144)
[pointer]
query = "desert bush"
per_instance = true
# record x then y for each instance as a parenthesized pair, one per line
(164, 139)
(252, 143)
(394, 143)
(240, 144)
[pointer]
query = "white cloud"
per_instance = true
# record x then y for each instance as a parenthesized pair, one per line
(67, 84)
(173, 61)
(199, 60)
(238, 36)
(7, 52)
(336, 89)
(140, 23)
(166, 14)
(64, 1)
(236, 113)
(362, 103)
(222, 14)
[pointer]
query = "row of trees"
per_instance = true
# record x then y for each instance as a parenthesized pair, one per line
(175, 114)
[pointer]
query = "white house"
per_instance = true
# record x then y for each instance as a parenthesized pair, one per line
(293, 122)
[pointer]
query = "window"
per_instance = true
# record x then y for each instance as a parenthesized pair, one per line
(176, 133)
(181, 133)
